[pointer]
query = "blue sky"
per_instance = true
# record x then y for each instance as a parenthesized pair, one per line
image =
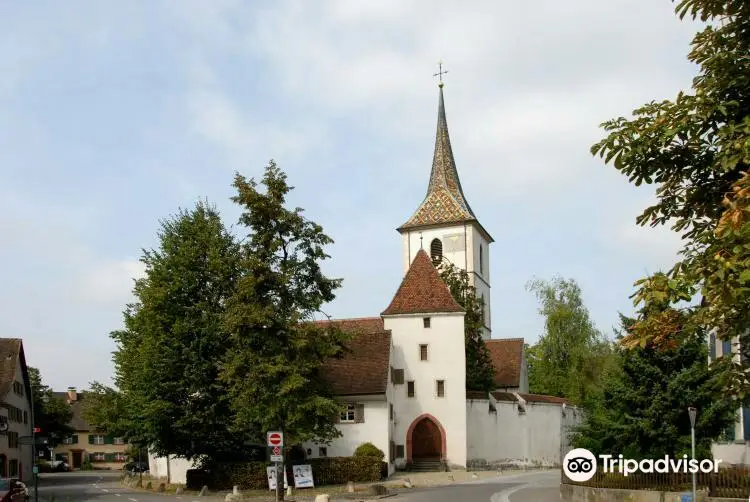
(115, 114)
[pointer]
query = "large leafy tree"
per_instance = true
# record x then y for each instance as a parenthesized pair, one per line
(696, 150)
(272, 365)
(168, 356)
(571, 355)
(51, 413)
(643, 411)
(479, 368)
(105, 409)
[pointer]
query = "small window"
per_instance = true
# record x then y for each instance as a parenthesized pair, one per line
(441, 388)
(426, 322)
(481, 259)
(347, 416)
(399, 451)
(13, 468)
(97, 440)
(410, 388)
(398, 377)
(322, 451)
(119, 441)
(68, 440)
(309, 452)
(726, 347)
(121, 457)
(423, 352)
(436, 250)
(26, 417)
(391, 411)
(101, 457)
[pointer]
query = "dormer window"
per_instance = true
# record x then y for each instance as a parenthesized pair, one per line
(436, 250)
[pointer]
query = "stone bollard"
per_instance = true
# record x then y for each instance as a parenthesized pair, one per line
(204, 492)
(178, 491)
(235, 490)
(407, 483)
(350, 487)
(162, 488)
(323, 498)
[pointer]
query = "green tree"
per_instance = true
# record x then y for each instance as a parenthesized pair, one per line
(643, 412)
(51, 413)
(168, 356)
(480, 371)
(571, 356)
(105, 409)
(272, 365)
(696, 150)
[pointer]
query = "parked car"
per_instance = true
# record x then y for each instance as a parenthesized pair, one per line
(136, 467)
(59, 466)
(13, 490)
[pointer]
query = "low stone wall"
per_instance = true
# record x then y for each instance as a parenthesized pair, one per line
(577, 493)
(479, 464)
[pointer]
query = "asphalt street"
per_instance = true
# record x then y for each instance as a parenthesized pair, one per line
(523, 487)
(102, 486)
(105, 487)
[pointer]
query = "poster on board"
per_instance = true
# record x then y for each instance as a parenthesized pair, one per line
(271, 473)
(303, 476)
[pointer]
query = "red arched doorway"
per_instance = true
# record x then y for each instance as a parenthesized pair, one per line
(425, 439)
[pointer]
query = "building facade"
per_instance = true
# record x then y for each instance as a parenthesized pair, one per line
(87, 445)
(16, 454)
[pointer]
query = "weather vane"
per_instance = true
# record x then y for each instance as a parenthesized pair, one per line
(440, 72)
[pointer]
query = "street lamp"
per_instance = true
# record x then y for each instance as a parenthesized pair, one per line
(692, 412)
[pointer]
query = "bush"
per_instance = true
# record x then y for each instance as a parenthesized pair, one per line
(326, 471)
(195, 479)
(369, 450)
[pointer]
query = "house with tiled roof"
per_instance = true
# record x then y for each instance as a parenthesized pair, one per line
(16, 455)
(88, 444)
(403, 379)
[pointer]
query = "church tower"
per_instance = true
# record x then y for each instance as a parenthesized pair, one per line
(444, 224)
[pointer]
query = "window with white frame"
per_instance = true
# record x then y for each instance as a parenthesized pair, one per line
(119, 441)
(121, 456)
(99, 457)
(348, 415)
(97, 440)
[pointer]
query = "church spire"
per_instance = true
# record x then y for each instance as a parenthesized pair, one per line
(445, 201)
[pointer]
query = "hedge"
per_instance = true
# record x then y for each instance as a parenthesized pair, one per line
(252, 475)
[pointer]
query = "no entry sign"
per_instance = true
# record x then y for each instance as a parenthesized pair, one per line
(275, 439)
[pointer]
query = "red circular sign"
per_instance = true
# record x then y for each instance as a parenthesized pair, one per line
(274, 439)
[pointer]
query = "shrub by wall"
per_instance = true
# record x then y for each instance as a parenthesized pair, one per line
(252, 475)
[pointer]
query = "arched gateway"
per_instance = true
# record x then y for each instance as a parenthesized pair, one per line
(425, 439)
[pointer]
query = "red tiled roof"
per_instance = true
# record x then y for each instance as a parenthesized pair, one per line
(422, 291)
(11, 349)
(529, 398)
(364, 368)
(506, 354)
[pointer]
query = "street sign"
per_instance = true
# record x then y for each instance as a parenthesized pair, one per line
(276, 450)
(275, 439)
(37, 430)
(277, 458)
(35, 469)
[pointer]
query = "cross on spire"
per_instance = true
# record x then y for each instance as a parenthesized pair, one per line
(440, 72)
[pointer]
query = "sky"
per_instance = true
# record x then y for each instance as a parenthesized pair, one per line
(114, 115)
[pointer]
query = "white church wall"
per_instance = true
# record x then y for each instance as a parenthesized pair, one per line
(507, 438)
(445, 361)
(374, 429)
(480, 274)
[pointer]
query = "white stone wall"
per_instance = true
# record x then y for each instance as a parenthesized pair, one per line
(480, 275)
(175, 468)
(446, 361)
(23, 453)
(509, 438)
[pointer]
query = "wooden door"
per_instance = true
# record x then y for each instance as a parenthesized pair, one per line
(426, 441)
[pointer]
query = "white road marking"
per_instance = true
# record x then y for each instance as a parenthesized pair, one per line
(118, 495)
(105, 490)
(133, 500)
(504, 496)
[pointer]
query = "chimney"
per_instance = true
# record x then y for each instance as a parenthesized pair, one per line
(72, 394)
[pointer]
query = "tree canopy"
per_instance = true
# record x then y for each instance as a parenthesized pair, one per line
(643, 410)
(571, 355)
(696, 150)
(480, 371)
(168, 356)
(271, 368)
(51, 413)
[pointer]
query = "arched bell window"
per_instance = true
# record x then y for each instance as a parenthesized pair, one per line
(436, 250)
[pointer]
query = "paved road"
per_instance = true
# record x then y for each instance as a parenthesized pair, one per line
(525, 487)
(100, 486)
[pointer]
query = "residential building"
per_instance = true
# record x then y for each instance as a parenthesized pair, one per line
(102, 450)
(16, 454)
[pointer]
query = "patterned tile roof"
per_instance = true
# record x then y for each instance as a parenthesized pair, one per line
(445, 201)
(422, 291)
(507, 357)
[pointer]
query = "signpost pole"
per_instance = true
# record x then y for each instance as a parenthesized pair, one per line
(276, 444)
(692, 412)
